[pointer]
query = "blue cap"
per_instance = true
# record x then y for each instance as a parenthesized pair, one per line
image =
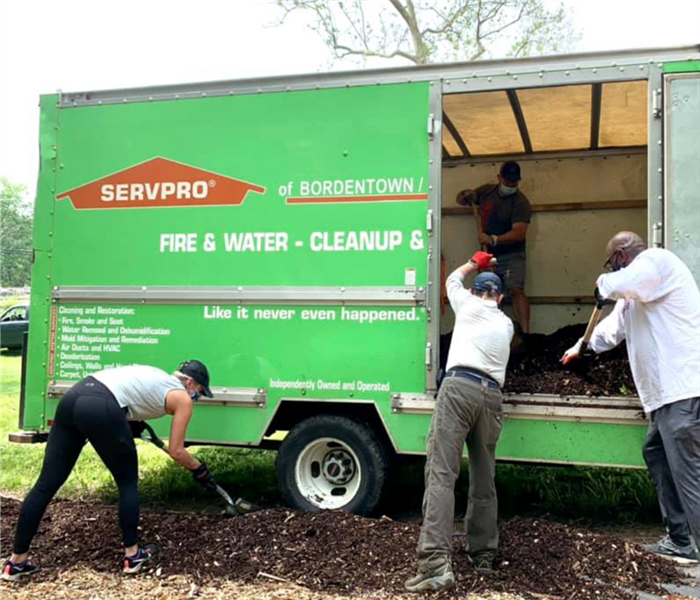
(488, 282)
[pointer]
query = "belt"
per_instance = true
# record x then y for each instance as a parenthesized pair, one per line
(473, 375)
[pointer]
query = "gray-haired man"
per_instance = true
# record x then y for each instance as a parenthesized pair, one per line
(468, 408)
(657, 312)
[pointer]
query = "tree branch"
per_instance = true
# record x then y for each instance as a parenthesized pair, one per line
(409, 16)
(448, 22)
(348, 51)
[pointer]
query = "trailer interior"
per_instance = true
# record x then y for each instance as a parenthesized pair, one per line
(582, 150)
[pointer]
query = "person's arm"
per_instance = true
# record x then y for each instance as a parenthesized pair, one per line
(456, 293)
(179, 404)
(517, 233)
(469, 197)
(465, 198)
(608, 334)
(640, 280)
(520, 219)
(454, 286)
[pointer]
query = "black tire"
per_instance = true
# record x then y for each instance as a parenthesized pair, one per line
(349, 437)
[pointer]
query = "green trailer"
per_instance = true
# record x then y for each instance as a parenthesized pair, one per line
(289, 231)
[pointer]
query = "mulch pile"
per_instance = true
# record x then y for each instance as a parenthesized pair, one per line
(341, 553)
(537, 370)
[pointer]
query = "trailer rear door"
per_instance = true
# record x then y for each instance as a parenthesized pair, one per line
(682, 162)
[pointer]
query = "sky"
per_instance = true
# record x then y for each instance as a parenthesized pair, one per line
(75, 45)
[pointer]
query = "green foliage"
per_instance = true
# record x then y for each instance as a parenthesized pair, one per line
(8, 301)
(15, 235)
(591, 494)
(428, 31)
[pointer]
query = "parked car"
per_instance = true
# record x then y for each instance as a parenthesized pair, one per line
(14, 323)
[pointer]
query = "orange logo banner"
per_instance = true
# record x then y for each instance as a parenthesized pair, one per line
(160, 182)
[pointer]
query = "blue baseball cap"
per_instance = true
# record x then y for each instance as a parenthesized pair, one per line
(488, 282)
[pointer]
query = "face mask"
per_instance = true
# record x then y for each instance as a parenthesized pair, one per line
(506, 190)
(194, 396)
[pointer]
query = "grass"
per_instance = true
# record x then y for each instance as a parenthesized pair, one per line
(573, 493)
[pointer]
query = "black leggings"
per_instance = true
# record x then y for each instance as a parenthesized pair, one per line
(87, 412)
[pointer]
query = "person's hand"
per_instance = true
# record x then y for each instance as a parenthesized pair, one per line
(482, 260)
(203, 476)
(571, 354)
(465, 198)
(485, 238)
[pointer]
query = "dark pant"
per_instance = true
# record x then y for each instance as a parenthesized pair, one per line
(87, 412)
(672, 454)
(472, 412)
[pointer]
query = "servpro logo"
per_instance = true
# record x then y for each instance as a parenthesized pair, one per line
(160, 182)
(131, 192)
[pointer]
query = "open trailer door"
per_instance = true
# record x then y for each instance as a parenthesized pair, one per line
(681, 219)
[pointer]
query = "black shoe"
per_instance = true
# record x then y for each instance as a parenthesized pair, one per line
(483, 562)
(13, 571)
(133, 564)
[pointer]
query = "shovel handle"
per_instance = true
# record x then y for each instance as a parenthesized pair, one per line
(153, 438)
(477, 218)
(595, 317)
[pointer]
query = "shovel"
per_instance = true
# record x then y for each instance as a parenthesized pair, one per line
(600, 303)
(479, 229)
(233, 508)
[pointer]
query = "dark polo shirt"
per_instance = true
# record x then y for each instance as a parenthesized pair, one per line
(498, 213)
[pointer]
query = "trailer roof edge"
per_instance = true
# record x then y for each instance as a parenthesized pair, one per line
(389, 75)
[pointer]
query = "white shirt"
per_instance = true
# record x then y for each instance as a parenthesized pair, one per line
(482, 333)
(658, 313)
(140, 389)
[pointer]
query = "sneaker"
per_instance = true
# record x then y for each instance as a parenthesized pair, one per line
(483, 562)
(668, 548)
(133, 564)
(13, 571)
(434, 580)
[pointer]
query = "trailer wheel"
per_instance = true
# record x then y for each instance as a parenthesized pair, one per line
(332, 462)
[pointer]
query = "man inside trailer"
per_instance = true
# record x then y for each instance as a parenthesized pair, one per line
(504, 213)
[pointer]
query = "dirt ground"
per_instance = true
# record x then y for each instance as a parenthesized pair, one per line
(279, 554)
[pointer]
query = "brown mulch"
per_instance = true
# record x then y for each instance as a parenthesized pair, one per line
(338, 553)
(537, 370)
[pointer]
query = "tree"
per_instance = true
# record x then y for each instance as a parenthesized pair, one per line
(15, 235)
(428, 31)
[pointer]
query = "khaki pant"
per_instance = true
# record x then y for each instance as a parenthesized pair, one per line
(471, 412)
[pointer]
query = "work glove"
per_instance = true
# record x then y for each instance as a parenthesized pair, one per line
(600, 301)
(137, 428)
(203, 476)
(572, 353)
(482, 260)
